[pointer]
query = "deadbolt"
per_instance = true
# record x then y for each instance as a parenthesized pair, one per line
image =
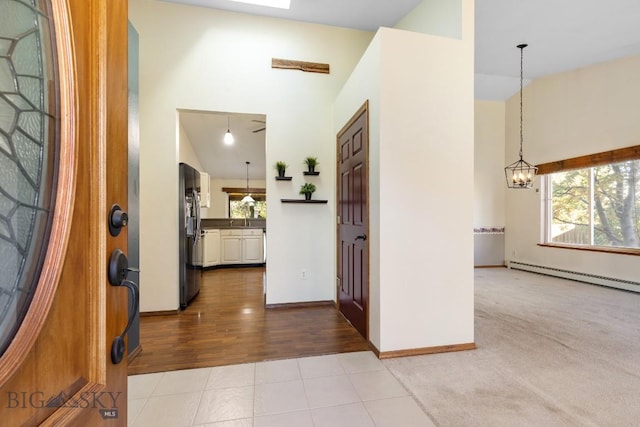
(117, 219)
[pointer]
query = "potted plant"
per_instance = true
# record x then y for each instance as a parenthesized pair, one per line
(307, 189)
(281, 167)
(311, 163)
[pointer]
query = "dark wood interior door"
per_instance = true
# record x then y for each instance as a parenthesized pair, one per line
(57, 369)
(353, 221)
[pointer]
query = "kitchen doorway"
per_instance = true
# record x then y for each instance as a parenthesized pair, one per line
(230, 151)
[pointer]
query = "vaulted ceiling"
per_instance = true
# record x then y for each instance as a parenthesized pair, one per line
(562, 34)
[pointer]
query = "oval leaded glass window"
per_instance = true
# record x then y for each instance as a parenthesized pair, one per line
(29, 141)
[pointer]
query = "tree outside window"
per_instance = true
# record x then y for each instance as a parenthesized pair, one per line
(597, 206)
(237, 209)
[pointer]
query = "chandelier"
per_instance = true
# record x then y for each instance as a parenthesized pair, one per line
(520, 174)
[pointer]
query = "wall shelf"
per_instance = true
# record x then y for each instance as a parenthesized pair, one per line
(283, 178)
(302, 201)
(311, 173)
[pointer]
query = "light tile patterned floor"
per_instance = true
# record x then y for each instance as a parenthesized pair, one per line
(349, 389)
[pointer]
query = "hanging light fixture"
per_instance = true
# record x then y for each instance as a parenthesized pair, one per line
(248, 198)
(228, 137)
(520, 174)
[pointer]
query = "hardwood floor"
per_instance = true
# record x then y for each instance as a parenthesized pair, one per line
(228, 324)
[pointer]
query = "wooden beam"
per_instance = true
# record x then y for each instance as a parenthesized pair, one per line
(290, 64)
(591, 160)
(243, 190)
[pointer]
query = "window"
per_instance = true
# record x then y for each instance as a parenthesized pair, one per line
(237, 209)
(595, 206)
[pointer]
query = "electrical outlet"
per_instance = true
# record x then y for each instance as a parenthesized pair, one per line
(303, 274)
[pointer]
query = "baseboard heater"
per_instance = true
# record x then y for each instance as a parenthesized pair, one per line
(593, 279)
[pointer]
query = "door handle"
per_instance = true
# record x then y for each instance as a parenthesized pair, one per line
(118, 271)
(362, 237)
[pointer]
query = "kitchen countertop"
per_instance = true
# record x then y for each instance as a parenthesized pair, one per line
(233, 227)
(228, 223)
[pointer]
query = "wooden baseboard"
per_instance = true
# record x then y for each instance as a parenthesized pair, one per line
(301, 304)
(426, 350)
(135, 353)
(490, 266)
(158, 313)
(374, 349)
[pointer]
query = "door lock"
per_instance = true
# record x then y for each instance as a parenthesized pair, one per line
(117, 219)
(118, 267)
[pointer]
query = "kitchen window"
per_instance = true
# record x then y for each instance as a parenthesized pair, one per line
(237, 209)
(595, 206)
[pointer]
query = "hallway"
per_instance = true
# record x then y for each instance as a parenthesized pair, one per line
(227, 324)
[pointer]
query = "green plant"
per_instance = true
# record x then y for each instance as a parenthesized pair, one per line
(281, 167)
(311, 161)
(307, 188)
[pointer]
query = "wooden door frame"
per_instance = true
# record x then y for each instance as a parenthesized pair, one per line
(364, 109)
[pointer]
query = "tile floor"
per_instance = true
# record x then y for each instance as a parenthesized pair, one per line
(349, 389)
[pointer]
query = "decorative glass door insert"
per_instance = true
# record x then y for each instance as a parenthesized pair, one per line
(29, 149)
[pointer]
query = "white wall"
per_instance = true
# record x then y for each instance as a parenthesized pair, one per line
(421, 284)
(206, 59)
(435, 17)
(186, 153)
(489, 181)
(571, 114)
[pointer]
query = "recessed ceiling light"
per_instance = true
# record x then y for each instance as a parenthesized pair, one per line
(281, 4)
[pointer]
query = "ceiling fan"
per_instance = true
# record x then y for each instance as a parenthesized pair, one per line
(262, 128)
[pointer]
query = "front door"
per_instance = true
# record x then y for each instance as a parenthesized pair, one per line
(353, 221)
(63, 165)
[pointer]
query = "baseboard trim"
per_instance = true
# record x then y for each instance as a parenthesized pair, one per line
(301, 304)
(491, 266)
(374, 349)
(158, 313)
(135, 353)
(426, 350)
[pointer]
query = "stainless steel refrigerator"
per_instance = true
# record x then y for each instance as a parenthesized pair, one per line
(190, 233)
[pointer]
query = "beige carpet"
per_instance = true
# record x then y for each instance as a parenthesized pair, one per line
(551, 352)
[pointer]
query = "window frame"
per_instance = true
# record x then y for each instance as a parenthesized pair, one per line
(583, 162)
(238, 193)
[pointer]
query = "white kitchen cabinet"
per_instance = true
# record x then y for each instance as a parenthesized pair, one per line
(241, 246)
(211, 248)
(231, 246)
(205, 191)
(252, 247)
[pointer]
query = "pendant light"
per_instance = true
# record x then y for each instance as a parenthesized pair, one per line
(520, 174)
(228, 138)
(248, 198)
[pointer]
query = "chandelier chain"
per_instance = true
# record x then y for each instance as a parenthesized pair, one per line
(521, 84)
